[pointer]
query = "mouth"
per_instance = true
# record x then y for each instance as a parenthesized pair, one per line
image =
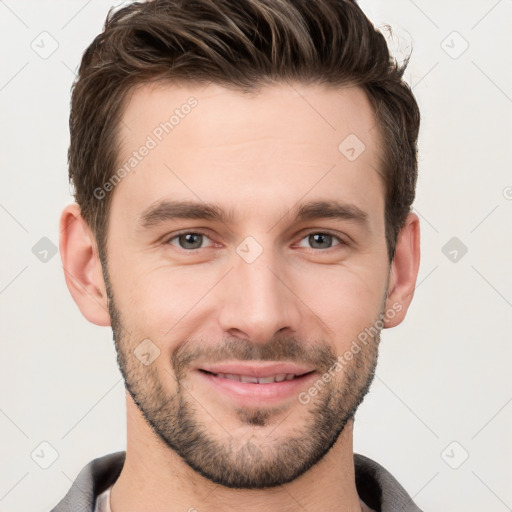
(255, 384)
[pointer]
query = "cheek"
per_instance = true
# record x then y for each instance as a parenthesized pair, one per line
(347, 301)
(161, 299)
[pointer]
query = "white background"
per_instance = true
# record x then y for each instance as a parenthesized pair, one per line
(443, 376)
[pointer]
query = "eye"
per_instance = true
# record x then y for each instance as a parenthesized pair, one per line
(188, 240)
(321, 240)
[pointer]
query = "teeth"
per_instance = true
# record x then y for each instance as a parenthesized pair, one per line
(245, 378)
(257, 380)
(266, 380)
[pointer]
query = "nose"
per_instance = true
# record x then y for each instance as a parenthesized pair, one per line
(258, 300)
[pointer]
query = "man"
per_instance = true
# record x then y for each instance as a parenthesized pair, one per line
(244, 173)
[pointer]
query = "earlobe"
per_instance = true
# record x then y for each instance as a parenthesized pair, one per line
(404, 271)
(82, 266)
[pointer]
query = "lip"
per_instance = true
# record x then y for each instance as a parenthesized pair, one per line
(255, 394)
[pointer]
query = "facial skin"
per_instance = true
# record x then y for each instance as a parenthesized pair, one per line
(205, 299)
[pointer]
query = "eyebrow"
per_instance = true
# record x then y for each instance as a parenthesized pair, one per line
(167, 210)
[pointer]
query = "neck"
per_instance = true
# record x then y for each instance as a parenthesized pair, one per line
(155, 478)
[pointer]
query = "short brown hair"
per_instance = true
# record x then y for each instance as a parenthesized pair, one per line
(240, 44)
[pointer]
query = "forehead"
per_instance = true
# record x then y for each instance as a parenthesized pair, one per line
(302, 109)
(217, 144)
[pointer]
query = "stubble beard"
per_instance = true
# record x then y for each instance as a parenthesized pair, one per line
(254, 461)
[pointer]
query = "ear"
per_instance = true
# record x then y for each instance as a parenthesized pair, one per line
(404, 271)
(82, 266)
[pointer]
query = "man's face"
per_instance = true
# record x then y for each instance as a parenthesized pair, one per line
(203, 307)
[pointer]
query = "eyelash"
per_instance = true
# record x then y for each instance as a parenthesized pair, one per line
(342, 243)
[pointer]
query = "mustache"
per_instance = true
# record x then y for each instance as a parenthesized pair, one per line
(290, 349)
